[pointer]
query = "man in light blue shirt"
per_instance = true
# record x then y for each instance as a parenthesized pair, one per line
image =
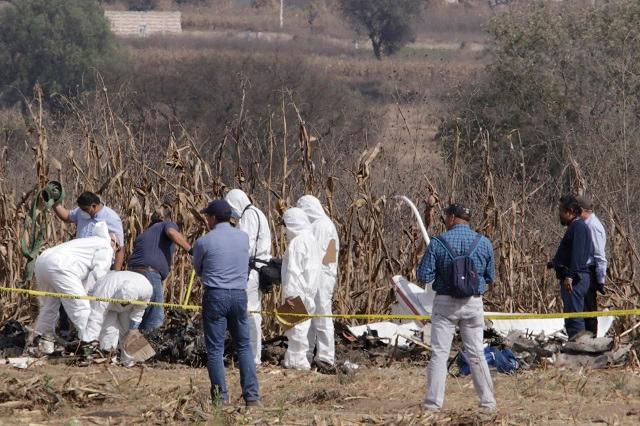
(451, 311)
(221, 260)
(597, 263)
(89, 212)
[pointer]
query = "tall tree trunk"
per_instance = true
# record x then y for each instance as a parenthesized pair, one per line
(376, 47)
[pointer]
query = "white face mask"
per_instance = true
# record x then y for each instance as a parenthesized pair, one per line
(84, 215)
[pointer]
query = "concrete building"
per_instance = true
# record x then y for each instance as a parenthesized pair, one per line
(141, 24)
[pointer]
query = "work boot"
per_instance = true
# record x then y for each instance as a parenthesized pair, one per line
(582, 334)
(254, 404)
(89, 350)
(324, 367)
(430, 408)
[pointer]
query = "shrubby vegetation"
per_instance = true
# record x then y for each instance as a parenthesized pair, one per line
(563, 88)
(56, 43)
(142, 5)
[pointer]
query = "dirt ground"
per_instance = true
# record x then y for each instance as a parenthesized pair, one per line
(104, 394)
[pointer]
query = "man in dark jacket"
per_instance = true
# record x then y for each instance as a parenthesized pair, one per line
(152, 257)
(571, 263)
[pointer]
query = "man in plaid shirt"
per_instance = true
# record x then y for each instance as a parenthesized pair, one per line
(448, 312)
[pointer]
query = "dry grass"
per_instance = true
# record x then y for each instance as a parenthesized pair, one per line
(112, 395)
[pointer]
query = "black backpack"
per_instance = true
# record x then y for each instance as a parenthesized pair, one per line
(462, 277)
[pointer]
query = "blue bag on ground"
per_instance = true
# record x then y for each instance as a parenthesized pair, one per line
(502, 359)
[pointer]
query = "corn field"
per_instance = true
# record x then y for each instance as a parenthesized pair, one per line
(135, 169)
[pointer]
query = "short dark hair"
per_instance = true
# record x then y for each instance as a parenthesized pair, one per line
(161, 214)
(223, 219)
(569, 203)
(88, 198)
(585, 202)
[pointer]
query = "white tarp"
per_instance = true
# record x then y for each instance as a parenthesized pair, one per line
(547, 325)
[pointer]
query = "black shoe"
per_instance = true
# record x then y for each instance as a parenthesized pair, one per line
(89, 350)
(324, 367)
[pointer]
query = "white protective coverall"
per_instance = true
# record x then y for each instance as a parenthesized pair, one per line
(300, 270)
(71, 268)
(321, 334)
(110, 322)
(255, 224)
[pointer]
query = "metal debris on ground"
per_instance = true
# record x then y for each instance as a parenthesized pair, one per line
(13, 339)
(583, 351)
(180, 340)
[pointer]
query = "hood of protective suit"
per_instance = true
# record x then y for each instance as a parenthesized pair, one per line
(312, 207)
(238, 200)
(101, 230)
(296, 222)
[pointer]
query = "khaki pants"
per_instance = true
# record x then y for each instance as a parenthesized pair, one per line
(468, 314)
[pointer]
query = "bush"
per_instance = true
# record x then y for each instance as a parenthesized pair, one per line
(563, 88)
(55, 43)
(205, 93)
(142, 5)
(389, 24)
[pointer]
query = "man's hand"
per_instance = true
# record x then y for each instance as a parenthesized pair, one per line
(61, 212)
(568, 284)
(289, 301)
(119, 259)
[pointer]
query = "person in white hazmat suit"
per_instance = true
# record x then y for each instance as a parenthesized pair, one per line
(108, 322)
(255, 224)
(301, 266)
(321, 334)
(72, 268)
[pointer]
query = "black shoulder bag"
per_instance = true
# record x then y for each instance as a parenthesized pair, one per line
(269, 272)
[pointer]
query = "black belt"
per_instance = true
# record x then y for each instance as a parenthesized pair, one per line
(143, 269)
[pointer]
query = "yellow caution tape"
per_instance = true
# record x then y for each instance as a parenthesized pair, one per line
(368, 317)
(39, 293)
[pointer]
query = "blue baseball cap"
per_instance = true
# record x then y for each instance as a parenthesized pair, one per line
(218, 208)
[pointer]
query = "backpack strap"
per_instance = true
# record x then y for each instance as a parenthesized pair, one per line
(255, 246)
(474, 245)
(446, 245)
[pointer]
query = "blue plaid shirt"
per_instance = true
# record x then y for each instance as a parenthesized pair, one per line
(436, 261)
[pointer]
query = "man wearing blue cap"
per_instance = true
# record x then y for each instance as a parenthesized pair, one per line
(221, 260)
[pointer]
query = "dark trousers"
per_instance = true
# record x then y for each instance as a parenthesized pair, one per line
(64, 325)
(591, 304)
(153, 315)
(224, 310)
(573, 301)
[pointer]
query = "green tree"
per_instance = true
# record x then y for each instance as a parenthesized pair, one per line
(56, 43)
(389, 24)
(142, 5)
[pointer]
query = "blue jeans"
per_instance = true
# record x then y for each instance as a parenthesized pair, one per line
(574, 302)
(153, 315)
(222, 310)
